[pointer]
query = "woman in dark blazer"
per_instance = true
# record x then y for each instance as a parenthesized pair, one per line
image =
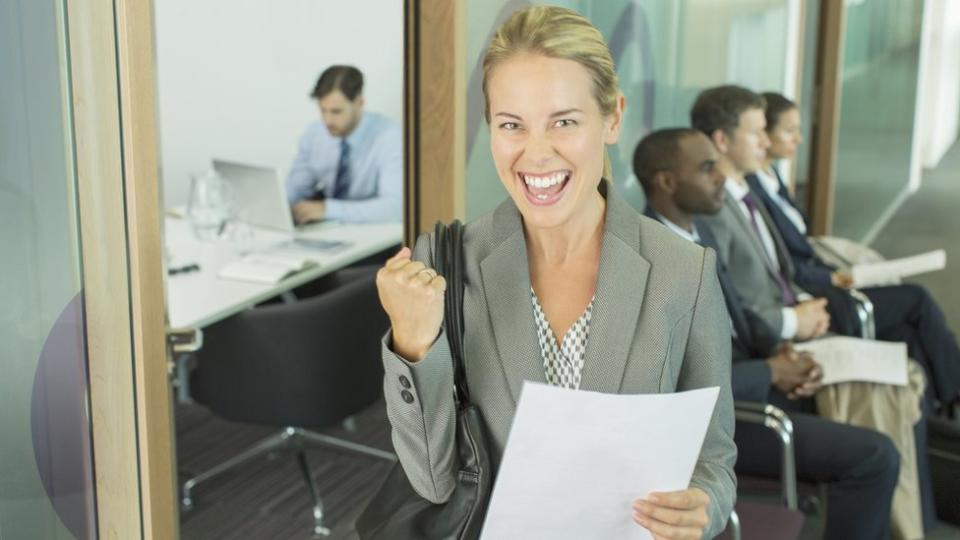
(565, 282)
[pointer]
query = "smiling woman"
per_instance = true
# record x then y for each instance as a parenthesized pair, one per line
(564, 282)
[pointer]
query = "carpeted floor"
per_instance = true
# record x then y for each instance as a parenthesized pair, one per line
(267, 497)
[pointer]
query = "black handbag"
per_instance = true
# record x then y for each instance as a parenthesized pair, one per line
(397, 511)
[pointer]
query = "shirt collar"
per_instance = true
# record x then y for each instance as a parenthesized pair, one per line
(770, 183)
(691, 236)
(358, 133)
(736, 190)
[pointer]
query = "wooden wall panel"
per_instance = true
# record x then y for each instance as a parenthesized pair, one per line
(825, 133)
(100, 190)
(155, 432)
(113, 87)
(435, 113)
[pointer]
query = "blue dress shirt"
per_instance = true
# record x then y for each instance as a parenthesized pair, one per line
(376, 170)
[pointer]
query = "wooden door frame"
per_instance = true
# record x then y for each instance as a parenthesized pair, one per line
(434, 113)
(113, 90)
(824, 135)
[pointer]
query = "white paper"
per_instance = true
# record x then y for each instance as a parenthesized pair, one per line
(854, 359)
(576, 460)
(868, 274)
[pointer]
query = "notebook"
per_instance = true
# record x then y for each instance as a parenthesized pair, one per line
(264, 268)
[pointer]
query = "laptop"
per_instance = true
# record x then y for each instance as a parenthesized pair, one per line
(258, 195)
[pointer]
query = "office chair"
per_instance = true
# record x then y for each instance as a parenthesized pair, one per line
(309, 364)
(757, 520)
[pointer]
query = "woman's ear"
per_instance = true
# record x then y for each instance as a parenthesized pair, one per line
(615, 120)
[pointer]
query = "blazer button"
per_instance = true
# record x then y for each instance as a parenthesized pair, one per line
(404, 381)
(407, 396)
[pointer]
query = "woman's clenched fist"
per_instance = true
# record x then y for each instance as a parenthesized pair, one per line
(412, 296)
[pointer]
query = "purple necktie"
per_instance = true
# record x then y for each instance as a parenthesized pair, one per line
(788, 297)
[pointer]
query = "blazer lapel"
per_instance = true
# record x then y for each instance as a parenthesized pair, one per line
(734, 207)
(783, 256)
(506, 286)
(621, 282)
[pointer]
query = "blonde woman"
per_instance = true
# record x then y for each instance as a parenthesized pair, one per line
(565, 283)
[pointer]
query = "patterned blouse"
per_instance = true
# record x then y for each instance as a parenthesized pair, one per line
(562, 363)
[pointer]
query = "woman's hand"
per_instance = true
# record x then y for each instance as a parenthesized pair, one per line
(412, 296)
(674, 515)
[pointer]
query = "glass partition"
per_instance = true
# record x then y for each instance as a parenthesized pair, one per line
(46, 467)
(666, 53)
(881, 46)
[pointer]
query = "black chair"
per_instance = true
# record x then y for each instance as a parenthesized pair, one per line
(756, 520)
(308, 364)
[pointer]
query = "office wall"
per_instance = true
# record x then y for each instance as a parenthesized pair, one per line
(234, 75)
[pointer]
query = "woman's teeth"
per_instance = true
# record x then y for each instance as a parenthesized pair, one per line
(544, 181)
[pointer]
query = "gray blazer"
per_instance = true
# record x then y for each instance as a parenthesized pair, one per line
(752, 272)
(658, 325)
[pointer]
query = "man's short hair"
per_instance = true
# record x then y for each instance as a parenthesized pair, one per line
(720, 108)
(347, 79)
(658, 151)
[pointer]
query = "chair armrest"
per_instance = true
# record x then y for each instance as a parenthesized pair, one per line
(868, 325)
(776, 420)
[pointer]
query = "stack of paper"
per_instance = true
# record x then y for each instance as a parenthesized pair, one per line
(576, 460)
(853, 359)
(264, 268)
(869, 274)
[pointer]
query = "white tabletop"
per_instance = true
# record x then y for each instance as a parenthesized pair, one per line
(197, 299)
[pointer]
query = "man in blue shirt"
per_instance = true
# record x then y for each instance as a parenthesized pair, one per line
(349, 165)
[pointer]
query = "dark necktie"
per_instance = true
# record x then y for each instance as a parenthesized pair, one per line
(342, 185)
(788, 297)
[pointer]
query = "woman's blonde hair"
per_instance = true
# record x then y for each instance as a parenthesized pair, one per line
(557, 32)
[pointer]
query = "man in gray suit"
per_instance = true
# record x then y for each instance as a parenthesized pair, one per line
(677, 170)
(733, 119)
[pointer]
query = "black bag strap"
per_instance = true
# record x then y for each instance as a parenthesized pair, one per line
(448, 261)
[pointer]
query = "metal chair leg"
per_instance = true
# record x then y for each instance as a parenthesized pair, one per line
(262, 447)
(289, 436)
(318, 528)
(734, 523)
(333, 442)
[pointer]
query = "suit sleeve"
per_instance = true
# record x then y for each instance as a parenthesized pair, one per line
(765, 338)
(751, 376)
(809, 272)
(420, 407)
(707, 363)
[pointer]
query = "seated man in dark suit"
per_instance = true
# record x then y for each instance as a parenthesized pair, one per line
(677, 170)
(902, 312)
(760, 265)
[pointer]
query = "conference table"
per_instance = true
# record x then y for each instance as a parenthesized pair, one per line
(198, 298)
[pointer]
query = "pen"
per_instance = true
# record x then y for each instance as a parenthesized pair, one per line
(184, 269)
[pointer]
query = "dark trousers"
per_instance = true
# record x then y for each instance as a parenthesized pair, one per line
(859, 466)
(908, 313)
